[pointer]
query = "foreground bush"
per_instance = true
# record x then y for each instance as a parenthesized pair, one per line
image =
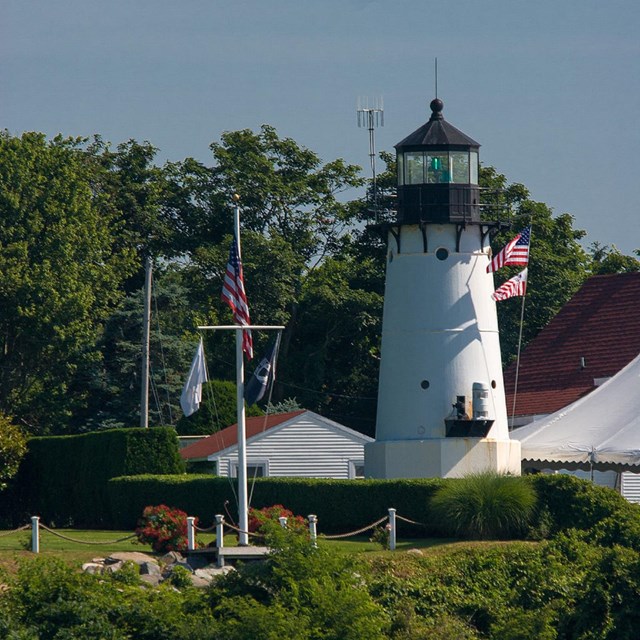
(299, 593)
(164, 528)
(48, 600)
(485, 505)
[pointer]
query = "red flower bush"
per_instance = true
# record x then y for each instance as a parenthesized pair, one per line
(259, 517)
(164, 528)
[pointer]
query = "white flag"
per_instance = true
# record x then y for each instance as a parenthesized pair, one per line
(192, 392)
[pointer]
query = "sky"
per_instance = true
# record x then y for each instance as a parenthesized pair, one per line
(549, 88)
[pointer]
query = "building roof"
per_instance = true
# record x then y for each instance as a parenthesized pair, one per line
(600, 430)
(437, 132)
(228, 437)
(601, 324)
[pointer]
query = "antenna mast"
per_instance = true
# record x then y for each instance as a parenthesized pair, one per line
(436, 77)
(371, 117)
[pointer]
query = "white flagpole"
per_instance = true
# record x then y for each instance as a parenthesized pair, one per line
(243, 502)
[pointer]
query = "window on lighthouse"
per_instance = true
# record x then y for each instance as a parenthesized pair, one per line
(414, 167)
(438, 167)
(460, 167)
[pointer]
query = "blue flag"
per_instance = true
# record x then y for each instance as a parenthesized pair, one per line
(264, 374)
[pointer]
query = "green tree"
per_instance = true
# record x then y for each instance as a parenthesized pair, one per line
(61, 268)
(13, 446)
(218, 410)
(333, 364)
(134, 190)
(285, 190)
(113, 384)
(558, 265)
(606, 259)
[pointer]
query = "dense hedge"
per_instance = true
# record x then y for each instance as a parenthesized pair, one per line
(63, 478)
(341, 505)
(564, 501)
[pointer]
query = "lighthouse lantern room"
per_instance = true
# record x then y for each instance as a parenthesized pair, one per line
(441, 402)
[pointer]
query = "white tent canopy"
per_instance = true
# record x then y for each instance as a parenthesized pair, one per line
(599, 431)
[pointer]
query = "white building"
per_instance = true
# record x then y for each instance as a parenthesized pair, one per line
(298, 443)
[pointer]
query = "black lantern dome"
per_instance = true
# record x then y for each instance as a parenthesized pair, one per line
(437, 173)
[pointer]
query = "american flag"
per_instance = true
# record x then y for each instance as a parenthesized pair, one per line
(233, 294)
(516, 286)
(516, 252)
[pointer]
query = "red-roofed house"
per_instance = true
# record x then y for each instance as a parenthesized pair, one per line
(594, 336)
(298, 443)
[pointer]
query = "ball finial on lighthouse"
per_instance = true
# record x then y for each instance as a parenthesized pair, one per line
(436, 109)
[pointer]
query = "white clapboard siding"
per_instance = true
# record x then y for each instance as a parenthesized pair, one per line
(630, 486)
(308, 446)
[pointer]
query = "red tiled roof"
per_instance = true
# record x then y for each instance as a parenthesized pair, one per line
(229, 436)
(601, 324)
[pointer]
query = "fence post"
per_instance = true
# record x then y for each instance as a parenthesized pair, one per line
(219, 532)
(283, 521)
(392, 529)
(313, 529)
(191, 533)
(35, 534)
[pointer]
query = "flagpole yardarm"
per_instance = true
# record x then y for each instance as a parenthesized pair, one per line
(242, 326)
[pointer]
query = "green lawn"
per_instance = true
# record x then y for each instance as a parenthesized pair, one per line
(79, 545)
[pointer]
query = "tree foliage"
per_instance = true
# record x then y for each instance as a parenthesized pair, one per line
(558, 265)
(77, 220)
(13, 446)
(61, 269)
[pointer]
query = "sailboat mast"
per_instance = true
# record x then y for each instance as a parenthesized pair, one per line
(146, 329)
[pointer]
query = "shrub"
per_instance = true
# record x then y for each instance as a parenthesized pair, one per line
(258, 518)
(297, 592)
(164, 528)
(485, 505)
(573, 503)
(75, 491)
(341, 505)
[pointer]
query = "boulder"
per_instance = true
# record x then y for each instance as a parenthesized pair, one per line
(129, 556)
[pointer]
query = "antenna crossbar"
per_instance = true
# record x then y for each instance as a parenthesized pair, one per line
(371, 116)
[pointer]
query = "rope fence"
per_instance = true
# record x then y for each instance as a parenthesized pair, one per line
(24, 527)
(350, 534)
(420, 524)
(89, 542)
(219, 527)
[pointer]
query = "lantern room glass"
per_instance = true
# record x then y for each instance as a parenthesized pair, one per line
(414, 167)
(473, 166)
(438, 167)
(460, 167)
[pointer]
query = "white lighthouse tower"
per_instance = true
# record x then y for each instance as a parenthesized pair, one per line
(441, 401)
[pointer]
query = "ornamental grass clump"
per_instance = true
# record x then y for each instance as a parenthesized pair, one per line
(485, 505)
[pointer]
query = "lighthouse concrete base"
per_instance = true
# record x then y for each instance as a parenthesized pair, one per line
(440, 457)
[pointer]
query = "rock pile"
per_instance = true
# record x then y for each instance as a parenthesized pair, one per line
(153, 570)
